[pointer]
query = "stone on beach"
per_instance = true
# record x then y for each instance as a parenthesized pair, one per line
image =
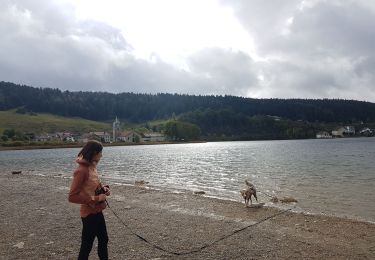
(274, 199)
(19, 245)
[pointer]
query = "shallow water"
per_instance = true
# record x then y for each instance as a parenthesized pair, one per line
(334, 177)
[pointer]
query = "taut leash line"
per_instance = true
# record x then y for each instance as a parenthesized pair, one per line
(202, 247)
(139, 236)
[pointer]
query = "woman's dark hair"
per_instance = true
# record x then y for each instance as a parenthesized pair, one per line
(90, 149)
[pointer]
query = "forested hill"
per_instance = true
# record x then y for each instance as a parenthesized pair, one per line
(133, 107)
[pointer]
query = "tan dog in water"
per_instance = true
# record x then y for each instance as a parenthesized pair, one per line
(248, 192)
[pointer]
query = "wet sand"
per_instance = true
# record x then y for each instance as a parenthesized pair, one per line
(37, 222)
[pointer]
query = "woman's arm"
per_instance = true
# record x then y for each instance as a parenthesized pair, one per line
(76, 195)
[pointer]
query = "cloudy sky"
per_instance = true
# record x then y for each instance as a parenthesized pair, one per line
(251, 48)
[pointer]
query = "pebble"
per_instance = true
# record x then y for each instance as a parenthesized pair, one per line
(19, 245)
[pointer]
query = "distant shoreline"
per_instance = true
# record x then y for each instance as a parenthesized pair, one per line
(52, 146)
(37, 147)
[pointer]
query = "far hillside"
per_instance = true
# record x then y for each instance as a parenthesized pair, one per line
(47, 123)
(138, 108)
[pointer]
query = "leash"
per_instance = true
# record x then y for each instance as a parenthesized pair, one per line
(139, 236)
(202, 247)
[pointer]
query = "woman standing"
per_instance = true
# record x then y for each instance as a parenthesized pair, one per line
(87, 190)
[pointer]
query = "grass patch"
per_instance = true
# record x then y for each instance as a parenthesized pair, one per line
(47, 123)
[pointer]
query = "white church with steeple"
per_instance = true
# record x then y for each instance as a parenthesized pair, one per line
(115, 129)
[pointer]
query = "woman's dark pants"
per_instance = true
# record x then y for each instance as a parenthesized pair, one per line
(94, 226)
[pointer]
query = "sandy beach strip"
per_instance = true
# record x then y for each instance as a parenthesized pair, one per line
(37, 222)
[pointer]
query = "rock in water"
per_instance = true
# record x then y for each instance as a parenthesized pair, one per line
(288, 200)
(140, 183)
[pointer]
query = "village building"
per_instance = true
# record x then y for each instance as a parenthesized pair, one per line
(323, 135)
(69, 139)
(338, 132)
(43, 138)
(129, 137)
(65, 136)
(343, 131)
(88, 136)
(116, 136)
(366, 132)
(103, 136)
(153, 137)
(349, 130)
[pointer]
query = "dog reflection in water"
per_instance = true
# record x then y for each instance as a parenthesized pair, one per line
(248, 192)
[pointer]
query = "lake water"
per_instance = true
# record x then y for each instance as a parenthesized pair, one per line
(333, 176)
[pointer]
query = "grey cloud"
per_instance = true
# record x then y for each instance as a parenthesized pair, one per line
(317, 82)
(105, 32)
(47, 17)
(321, 25)
(145, 77)
(45, 45)
(228, 71)
(264, 19)
(328, 79)
(327, 51)
(211, 71)
(333, 29)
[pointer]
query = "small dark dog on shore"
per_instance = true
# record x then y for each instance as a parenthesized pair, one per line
(248, 192)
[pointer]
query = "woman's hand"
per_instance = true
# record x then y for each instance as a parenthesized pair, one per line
(107, 191)
(101, 205)
(102, 197)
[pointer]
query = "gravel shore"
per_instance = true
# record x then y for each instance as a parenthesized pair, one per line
(37, 222)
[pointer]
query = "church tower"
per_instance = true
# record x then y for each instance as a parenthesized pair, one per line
(115, 128)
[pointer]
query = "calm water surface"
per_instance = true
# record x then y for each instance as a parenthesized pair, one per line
(334, 177)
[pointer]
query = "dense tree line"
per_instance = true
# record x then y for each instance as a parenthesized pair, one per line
(216, 117)
(225, 124)
(182, 131)
(134, 107)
